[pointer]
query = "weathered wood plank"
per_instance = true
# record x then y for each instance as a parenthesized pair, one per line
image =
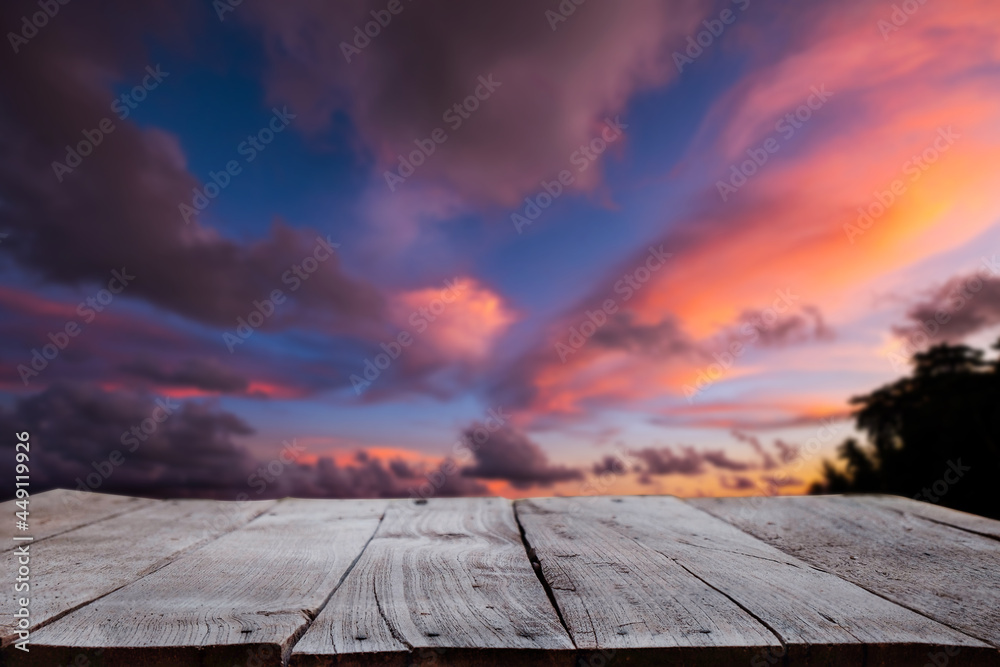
(448, 579)
(639, 581)
(945, 573)
(621, 594)
(949, 517)
(243, 597)
(83, 564)
(57, 511)
(820, 618)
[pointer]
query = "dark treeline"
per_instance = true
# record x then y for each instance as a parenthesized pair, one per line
(933, 435)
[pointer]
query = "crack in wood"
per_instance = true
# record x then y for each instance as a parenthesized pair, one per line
(537, 567)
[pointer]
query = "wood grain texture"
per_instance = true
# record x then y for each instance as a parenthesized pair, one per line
(947, 574)
(637, 580)
(943, 515)
(57, 511)
(242, 598)
(448, 580)
(83, 564)
(819, 617)
(621, 594)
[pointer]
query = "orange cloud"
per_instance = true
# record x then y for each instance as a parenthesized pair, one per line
(918, 108)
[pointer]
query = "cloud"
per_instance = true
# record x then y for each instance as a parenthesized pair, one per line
(445, 356)
(767, 461)
(792, 329)
(721, 460)
(784, 230)
(367, 477)
(610, 464)
(206, 374)
(962, 306)
(781, 481)
(112, 349)
(663, 339)
(752, 415)
(590, 65)
(124, 201)
(120, 206)
(437, 480)
(440, 340)
(85, 437)
(76, 428)
(510, 456)
(688, 461)
(737, 483)
(787, 452)
(663, 461)
(633, 356)
(460, 321)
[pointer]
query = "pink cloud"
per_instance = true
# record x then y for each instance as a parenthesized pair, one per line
(461, 321)
(785, 228)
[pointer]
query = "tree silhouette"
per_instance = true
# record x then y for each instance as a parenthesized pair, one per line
(934, 435)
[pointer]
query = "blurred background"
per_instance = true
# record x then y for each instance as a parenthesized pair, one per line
(396, 248)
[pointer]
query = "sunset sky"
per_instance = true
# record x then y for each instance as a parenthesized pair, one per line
(663, 241)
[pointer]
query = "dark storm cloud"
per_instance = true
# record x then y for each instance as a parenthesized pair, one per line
(666, 338)
(365, 477)
(121, 347)
(207, 374)
(962, 306)
(510, 456)
(793, 329)
(79, 431)
(721, 460)
(556, 86)
(664, 461)
(112, 442)
(609, 464)
(439, 480)
(686, 461)
(737, 483)
(120, 206)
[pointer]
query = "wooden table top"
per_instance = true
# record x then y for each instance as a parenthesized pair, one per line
(594, 581)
